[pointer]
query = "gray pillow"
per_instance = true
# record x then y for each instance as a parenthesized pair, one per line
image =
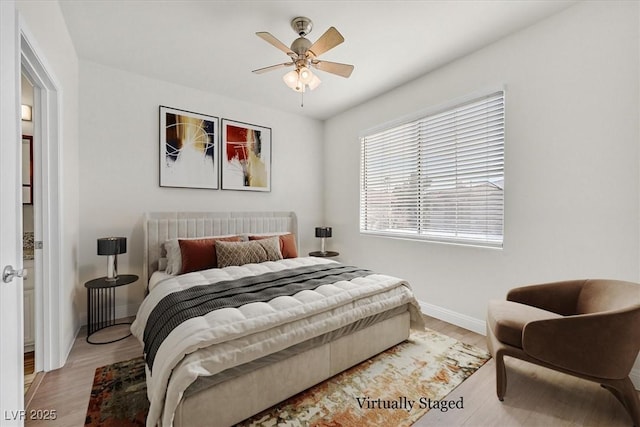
(254, 251)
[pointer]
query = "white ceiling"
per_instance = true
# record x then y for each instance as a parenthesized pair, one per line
(212, 46)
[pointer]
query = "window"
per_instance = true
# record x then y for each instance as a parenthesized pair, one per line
(440, 177)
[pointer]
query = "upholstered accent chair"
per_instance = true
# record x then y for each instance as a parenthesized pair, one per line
(586, 328)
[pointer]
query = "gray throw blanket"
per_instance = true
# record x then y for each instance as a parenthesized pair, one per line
(196, 301)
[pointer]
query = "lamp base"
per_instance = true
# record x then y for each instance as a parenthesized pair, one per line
(112, 268)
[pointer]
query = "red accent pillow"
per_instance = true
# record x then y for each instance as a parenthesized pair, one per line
(200, 254)
(287, 244)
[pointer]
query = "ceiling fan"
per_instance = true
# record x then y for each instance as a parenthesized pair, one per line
(304, 55)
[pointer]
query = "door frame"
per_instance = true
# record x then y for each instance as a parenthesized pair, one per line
(48, 194)
(11, 356)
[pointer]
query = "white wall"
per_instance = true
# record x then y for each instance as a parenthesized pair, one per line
(119, 130)
(571, 168)
(46, 25)
(27, 129)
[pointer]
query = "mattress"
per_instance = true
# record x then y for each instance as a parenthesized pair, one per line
(157, 277)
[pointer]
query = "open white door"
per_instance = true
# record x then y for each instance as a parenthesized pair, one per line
(11, 322)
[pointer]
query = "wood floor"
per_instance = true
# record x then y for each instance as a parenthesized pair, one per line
(29, 370)
(535, 396)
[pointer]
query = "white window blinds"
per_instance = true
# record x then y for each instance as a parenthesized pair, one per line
(440, 177)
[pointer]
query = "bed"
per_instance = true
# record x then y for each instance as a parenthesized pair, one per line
(222, 367)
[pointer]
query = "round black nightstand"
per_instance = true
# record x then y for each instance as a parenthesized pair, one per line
(101, 304)
(325, 254)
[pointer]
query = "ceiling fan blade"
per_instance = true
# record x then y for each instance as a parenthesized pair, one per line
(272, 67)
(275, 42)
(343, 70)
(330, 39)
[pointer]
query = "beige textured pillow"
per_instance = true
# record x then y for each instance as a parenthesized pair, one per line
(240, 253)
(287, 244)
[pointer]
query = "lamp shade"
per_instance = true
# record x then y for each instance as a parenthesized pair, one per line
(112, 245)
(305, 75)
(291, 79)
(323, 231)
(314, 83)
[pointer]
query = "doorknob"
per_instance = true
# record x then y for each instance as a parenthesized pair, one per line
(9, 273)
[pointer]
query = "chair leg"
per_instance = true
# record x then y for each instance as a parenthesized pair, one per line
(501, 376)
(626, 393)
(632, 403)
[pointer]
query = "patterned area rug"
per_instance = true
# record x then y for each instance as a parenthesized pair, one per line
(119, 395)
(396, 387)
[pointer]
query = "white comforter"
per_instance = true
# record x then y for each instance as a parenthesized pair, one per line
(254, 330)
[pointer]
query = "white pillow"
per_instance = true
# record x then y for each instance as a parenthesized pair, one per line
(174, 256)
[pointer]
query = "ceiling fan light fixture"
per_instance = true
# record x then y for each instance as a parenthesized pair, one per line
(295, 80)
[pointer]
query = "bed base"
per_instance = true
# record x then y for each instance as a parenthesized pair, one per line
(240, 398)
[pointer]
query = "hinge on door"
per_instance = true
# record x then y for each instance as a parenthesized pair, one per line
(37, 244)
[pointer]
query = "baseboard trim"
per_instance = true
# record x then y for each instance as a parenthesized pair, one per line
(122, 311)
(450, 316)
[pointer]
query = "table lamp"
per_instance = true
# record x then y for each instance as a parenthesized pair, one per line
(323, 233)
(112, 246)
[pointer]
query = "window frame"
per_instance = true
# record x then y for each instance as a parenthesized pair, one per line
(418, 233)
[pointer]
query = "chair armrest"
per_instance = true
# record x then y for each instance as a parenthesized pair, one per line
(603, 345)
(557, 297)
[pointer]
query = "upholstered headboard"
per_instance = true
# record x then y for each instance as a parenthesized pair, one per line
(162, 226)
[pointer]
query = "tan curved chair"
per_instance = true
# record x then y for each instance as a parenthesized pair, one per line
(586, 328)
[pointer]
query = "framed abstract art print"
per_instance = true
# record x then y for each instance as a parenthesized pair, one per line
(246, 156)
(188, 149)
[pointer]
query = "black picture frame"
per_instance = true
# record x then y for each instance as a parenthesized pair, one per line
(246, 154)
